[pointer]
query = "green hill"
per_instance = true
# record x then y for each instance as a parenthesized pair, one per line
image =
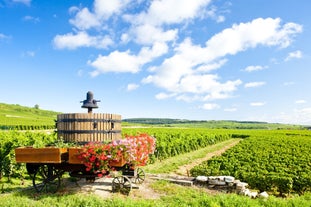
(14, 116)
(218, 124)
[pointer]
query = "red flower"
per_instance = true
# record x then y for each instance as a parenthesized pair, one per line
(134, 149)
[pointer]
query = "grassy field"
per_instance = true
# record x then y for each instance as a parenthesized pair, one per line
(12, 115)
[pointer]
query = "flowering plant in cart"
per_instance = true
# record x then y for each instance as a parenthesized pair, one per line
(133, 150)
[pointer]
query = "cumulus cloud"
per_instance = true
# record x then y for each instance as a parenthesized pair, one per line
(294, 55)
(170, 12)
(297, 116)
(257, 104)
(26, 2)
(148, 34)
(289, 83)
(252, 68)
(84, 19)
(3, 36)
(210, 106)
(126, 61)
(182, 69)
(102, 10)
(31, 19)
(161, 96)
(182, 72)
(28, 54)
(81, 39)
(254, 84)
(230, 109)
(300, 101)
(132, 86)
(240, 37)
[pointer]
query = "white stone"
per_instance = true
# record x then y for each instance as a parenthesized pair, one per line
(212, 177)
(229, 179)
(241, 185)
(216, 182)
(253, 194)
(202, 178)
(221, 178)
(263, 195)
(246, 192)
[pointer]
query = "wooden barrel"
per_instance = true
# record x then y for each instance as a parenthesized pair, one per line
(88, 127)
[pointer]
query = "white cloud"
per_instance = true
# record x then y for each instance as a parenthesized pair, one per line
(3, 36)
(288, 83)
(31, 19)
(303, 115)
(252, 68)
(84, 19)
(300, 101)
(161, 96)
(297, 116)
(148, 34)
(212, 12)
(111, 63)
(294, 55)
(102, 10)
(105, 9)
(254, 84)
(81, 39)
(132, 86)
(125, 61)
(26, 2)
(268, 32)
(230, 109)
(28, 54)
(170, 12)
(257, 103)
(184, 71)
(210, 106)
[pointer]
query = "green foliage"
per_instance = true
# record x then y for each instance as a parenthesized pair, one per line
(275, 161)
(18, 117)
(173, 142)
(9, 140)
(212, 124)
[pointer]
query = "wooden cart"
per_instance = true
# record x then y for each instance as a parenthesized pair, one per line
(47, 165)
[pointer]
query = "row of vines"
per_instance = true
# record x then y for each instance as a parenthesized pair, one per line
(9, 140)
(27, 127)
(174, 141)
(275, 161)
(169, 142)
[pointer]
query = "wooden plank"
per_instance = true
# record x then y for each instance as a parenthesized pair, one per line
(40, 155)
(73, 152)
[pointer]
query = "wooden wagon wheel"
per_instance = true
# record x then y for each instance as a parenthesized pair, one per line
(140, 176)
(121, 184)
(46, 179)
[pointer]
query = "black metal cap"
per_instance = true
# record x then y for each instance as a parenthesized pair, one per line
(90, 103)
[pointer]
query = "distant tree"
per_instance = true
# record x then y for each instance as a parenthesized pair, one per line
(36, 106)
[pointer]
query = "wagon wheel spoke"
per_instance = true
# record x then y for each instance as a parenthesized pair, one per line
(46, 179)
(121, 184)
(140, 176)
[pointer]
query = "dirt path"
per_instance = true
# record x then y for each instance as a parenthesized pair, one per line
(184, 170)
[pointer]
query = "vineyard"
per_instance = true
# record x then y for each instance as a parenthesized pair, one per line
(274, 161)
(168, 143)
(16, 117)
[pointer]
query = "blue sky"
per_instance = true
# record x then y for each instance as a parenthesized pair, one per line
(200, 60)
